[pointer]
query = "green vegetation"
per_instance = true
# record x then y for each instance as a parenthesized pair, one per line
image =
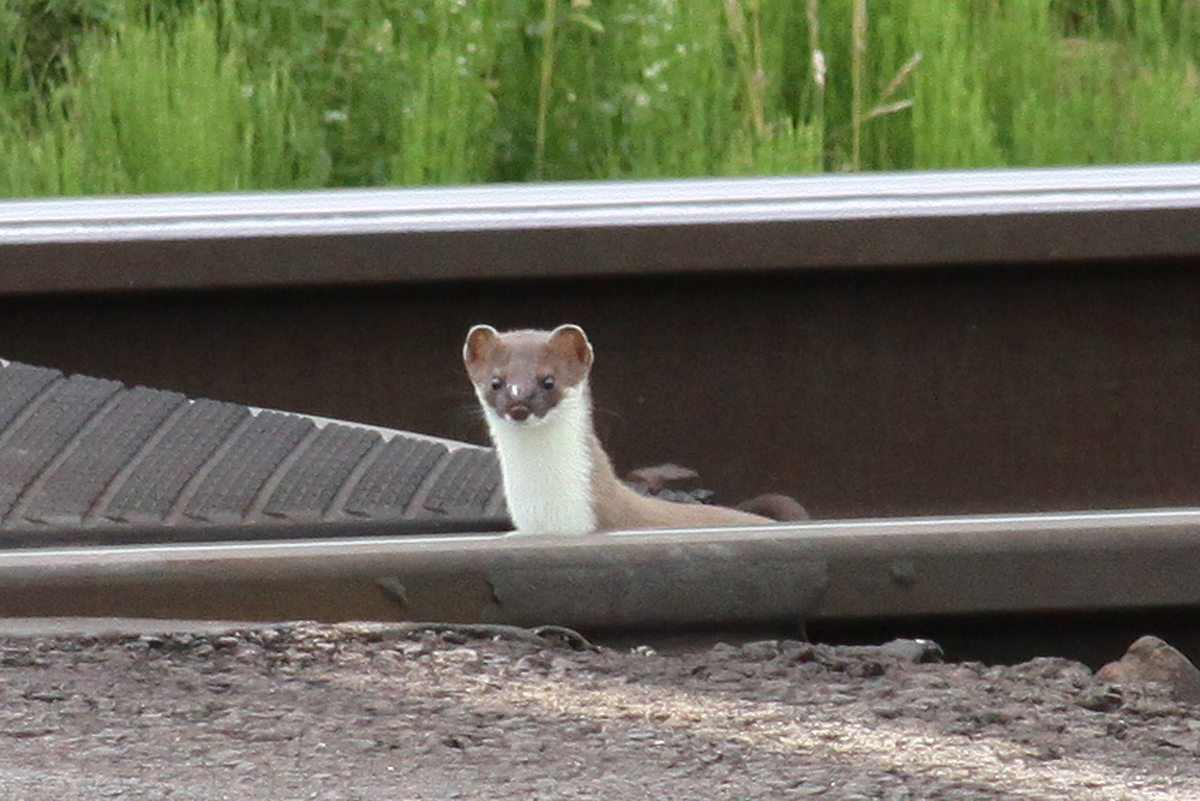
(131, 96)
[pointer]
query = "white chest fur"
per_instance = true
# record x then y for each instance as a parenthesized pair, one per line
(547, 467)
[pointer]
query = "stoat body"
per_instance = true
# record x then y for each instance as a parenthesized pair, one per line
(533, 387)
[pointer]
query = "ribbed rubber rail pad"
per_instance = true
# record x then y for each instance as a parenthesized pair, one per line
(227, 492)
(71, 488)
(86, 452)
(468, 481)
(159, 475)
(39, 434)
(394, 478)
(309, 487)
(19, 385)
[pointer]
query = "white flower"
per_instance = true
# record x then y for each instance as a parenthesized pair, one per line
(653, 71)
(818, 67)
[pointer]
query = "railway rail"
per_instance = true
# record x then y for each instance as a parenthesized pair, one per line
(347, 237)
(917, 349)
(776, 573)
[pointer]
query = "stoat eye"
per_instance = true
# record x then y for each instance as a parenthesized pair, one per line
(548, 383)
(497, 383)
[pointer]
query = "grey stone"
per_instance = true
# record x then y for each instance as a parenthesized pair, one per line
(1151, 659)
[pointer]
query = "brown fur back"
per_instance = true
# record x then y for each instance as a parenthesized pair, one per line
(618, 507)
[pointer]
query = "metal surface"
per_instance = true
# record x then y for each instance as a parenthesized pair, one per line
(713, 577)
(599, 229)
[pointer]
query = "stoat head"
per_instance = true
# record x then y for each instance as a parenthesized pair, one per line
(522, 376)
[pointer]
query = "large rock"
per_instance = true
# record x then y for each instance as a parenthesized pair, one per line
(1151, 659)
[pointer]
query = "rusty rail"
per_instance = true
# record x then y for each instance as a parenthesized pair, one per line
(713, 577)
(348, 237)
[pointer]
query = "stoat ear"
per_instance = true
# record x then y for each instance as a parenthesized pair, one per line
(481, 339)
(571, 340)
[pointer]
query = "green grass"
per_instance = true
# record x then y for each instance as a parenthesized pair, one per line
(134, 96)
(142, 109)
(154, 113)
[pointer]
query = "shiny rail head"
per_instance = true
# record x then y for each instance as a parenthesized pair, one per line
(1045, 216)
(472, 535)
(808, 571)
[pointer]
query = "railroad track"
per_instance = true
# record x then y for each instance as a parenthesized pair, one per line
(603, 229)
(137, 503)
(1025, 341)
(784, 572)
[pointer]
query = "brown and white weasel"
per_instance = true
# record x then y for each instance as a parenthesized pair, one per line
(533, 386)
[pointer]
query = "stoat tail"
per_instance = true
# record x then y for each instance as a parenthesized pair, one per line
(774, 506)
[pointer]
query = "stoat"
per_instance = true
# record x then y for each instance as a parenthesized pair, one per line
(533, 387)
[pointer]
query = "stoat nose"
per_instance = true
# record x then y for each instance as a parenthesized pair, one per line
(518, 412)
